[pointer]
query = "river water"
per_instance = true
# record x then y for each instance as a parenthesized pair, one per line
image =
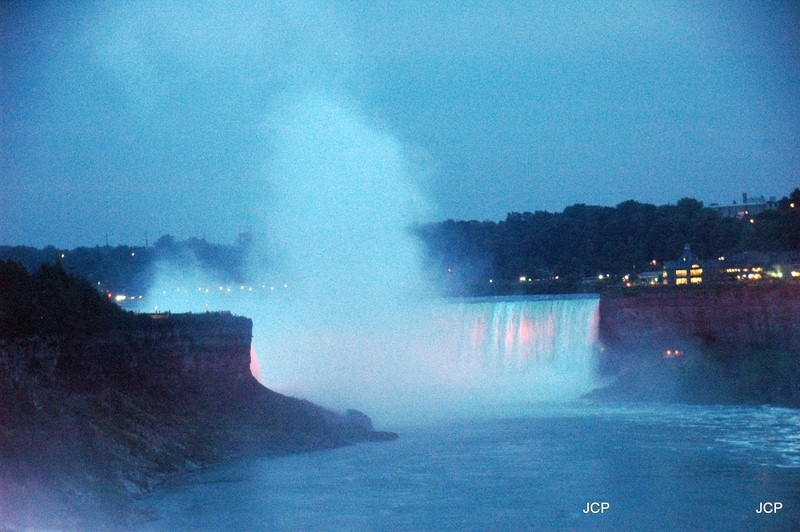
(523, 467)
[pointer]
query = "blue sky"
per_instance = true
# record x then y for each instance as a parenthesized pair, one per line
(133, 118)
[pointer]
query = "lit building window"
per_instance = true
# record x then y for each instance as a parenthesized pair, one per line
(696, 272)
(680, 273)
(680, 281)
(696, 280)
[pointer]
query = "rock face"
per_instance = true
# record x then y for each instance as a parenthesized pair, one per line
(736, 344)
(86, 423)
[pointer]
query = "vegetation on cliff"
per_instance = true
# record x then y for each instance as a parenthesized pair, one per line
(51, 301)
(559, 249)
(130, 269)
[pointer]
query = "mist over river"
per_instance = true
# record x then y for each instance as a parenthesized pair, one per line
(518, 467)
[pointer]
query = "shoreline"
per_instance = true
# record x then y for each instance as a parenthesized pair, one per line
(91, 423)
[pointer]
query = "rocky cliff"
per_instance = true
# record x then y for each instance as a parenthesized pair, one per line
(89, 421)
(738, 344)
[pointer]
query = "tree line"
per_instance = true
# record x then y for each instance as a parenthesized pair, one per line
(50, 302)
(552, 251)
(130, 269)
(555, 251)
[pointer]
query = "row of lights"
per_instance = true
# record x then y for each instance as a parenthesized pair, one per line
(628, 282)
(526, 279)
(64, 255)
(119, 298)
(227, 289)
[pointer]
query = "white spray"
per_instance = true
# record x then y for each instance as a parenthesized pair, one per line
(352, 322)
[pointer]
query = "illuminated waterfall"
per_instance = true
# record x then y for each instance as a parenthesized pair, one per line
(420, 360)
(532, 348)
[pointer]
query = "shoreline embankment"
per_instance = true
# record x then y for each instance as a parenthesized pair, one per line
(89, 422)
(718, 344)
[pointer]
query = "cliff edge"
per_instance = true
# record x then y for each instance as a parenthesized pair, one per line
(721, 344)
(89, 421)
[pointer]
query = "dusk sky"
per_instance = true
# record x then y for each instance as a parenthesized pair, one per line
(132, 118)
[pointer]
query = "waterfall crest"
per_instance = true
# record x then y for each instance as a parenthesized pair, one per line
(532, 348)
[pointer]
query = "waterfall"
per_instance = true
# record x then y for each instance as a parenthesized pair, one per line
(405, 360)
(531, 348)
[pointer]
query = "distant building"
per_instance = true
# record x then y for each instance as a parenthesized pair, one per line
(687, 270)
(746, 267)
(650, 278)
(743, 267)
(748, 207)
(755, 266)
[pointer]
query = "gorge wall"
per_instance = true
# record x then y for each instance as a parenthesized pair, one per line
(737, 344)
(88, 422)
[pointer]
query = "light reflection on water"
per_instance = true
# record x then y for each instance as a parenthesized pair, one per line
(530, 467)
